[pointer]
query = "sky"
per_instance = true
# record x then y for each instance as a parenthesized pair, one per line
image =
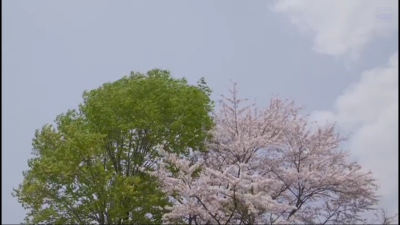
(338, 59)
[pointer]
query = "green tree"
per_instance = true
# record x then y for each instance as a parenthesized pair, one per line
(88, 167)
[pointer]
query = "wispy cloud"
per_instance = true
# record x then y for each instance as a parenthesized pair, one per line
(341, 28)
(369, 110)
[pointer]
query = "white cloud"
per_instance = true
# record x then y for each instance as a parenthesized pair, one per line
(367, 109)
(340, 28)
(370, 110)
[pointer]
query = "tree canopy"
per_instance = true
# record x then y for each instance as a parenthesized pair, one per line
(149, 148)
(88, 167)
(268, 166)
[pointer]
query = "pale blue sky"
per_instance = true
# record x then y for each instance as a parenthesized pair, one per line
(54, 50)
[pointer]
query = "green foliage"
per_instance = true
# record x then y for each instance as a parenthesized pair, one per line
(88, 168)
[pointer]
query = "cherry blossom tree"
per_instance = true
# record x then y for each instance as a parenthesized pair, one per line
(268, 166)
